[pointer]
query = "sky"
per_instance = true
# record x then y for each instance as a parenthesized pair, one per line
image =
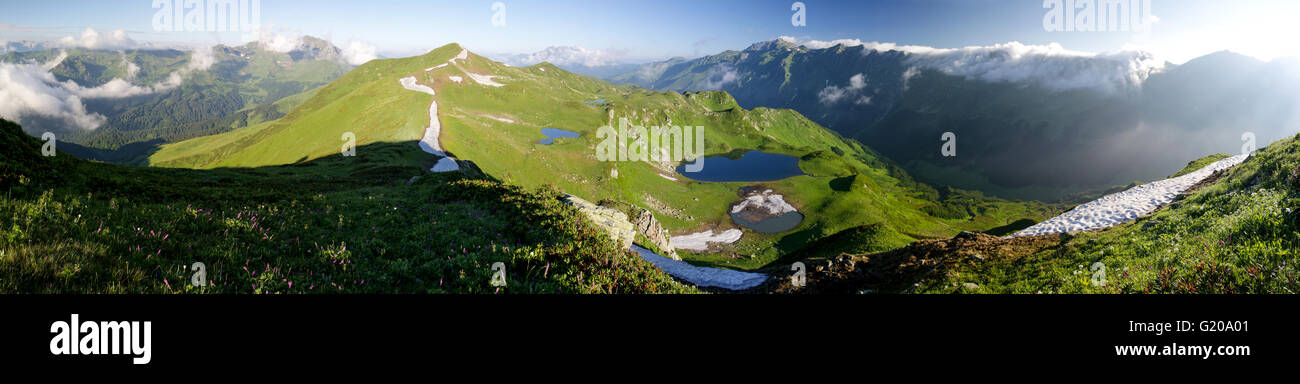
(640, 31)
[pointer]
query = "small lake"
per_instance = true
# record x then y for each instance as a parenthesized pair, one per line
(556, 133)
(597, 101)
(752, 166)
(784, 222)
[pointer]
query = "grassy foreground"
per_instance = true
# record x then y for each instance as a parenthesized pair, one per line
(332, 225)
(1238, 233)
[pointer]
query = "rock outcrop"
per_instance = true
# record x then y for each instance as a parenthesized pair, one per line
(612, 221)
(648, 226)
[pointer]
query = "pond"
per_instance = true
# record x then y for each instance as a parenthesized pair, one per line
(752, 166)
(780, 223)
(763, 210)
(555, 133)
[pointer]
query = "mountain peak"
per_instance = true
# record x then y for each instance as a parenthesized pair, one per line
(777, 43)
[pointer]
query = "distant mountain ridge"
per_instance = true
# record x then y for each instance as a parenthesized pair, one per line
(183, 94)
(1031, 122)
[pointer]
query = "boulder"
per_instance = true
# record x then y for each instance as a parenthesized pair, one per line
(612, 221)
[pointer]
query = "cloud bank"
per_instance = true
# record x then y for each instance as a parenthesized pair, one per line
(1049, 65)
(31, 91)
(568, 56)
(92, 39)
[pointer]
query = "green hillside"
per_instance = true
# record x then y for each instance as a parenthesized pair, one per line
(331, 225)
(498, 128)
(1237, 232)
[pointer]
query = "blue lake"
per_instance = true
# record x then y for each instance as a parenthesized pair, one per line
(752, 166)
(556, 133)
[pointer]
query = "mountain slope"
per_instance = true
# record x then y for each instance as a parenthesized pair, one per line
(332, 225)
(1029, 123)
(1236, 232)
(492, 114)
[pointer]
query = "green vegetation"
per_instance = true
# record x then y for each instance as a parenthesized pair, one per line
(847, 185)
(1199, 163)
(1238, 235)
(331, 225)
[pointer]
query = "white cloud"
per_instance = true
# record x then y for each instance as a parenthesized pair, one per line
(568, 55)
(833, 93)
(720, 75)
(201, 59)
(358, 52)
(278, 39)
(92, 39)
(31, 90)
(1048, 65)
(908, 75)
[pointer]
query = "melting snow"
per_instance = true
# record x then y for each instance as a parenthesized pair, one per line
(1126, 206)
(699, 242)
(484, 79)
(772, 203)
(702, 276)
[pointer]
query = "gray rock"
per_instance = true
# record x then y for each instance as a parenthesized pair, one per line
(648, 226)
(612, 221)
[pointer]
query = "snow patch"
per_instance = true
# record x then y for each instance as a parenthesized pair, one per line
(429, 142)
(457, 79)
(702, 276)
(699, 242)
(667, 177)
(772, 203)
(484, 79)
(1126, 206)
(501, 119)
(411, 84)
(446, 164)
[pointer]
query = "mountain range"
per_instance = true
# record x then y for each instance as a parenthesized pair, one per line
(128, 102)
(1030, 122)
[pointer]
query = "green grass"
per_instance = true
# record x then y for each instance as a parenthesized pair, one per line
(1239, 235)
(331, 225)
(847, 185)
(1197, 164)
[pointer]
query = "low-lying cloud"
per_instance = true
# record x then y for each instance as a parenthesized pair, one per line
(278, 39)
(30, 91)
(358, 52)
(92, 39)
(568, 56)
(852, 91)
(1051, 65)
(720, 75)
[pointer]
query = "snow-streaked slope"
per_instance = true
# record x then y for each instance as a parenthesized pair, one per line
(1126, 206)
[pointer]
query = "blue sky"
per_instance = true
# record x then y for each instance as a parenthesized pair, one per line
(651, 30)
